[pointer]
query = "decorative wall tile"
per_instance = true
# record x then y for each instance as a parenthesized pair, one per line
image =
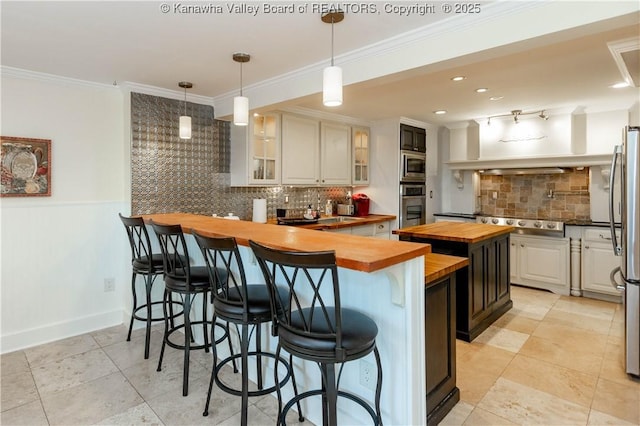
(557, 196)
(169, 174)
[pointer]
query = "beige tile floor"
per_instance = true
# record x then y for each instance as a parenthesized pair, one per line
(551, 360)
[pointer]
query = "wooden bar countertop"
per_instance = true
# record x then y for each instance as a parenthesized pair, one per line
(352, 251)
(455, 231)
(438, 265)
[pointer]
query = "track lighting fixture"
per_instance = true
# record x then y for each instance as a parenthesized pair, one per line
(185, 120)
(517, 113)
(241, 103)
(332, 75)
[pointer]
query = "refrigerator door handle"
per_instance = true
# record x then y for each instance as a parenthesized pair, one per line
(614, 283)
(617, 151)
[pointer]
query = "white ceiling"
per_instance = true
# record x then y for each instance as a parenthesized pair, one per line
(109, 42)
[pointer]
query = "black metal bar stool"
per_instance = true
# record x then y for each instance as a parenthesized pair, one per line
(149, 265)
(187, 281)
(312, 324)
(242, 304)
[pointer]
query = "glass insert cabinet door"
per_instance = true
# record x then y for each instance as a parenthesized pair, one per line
(360, 138)
(265, 148)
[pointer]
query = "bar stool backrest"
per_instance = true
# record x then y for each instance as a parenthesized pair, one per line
(140, 243)
(175, 256)
(223, 258)
(313, 311)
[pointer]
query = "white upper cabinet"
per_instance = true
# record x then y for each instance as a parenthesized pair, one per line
(300, 150)
(264, 149)
(255, 151)
(335, 154)
(360, 142)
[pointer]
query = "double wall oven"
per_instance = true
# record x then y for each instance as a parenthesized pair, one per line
(413, 172)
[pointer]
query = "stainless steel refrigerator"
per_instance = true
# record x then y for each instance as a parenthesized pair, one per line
(626, 197)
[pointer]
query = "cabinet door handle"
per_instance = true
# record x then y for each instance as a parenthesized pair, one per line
(605, 238)
(586, 247)
(521, 245)
(380, 226)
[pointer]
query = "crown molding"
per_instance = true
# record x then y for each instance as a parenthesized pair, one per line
(7, 71)
(130, 86)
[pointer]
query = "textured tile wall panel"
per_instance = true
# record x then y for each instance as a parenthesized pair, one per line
(169, 174)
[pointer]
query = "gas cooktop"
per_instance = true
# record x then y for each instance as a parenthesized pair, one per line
(526, 226)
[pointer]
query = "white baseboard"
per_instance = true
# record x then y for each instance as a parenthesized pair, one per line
(62, 330)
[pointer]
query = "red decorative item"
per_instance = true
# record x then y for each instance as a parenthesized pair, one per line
(361, 202)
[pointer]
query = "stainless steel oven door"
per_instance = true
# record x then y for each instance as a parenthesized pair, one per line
(413, 167)
(412, 210)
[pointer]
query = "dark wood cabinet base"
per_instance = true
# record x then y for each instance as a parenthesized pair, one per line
(436, 415)
(440, 347)
(468, 336)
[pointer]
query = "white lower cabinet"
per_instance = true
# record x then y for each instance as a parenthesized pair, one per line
(598, 261)
(377, 230)
(540, 262)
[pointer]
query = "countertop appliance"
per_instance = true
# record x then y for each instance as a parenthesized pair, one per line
(361, 202)
(627, 157)
(412, 205)
(345, 209)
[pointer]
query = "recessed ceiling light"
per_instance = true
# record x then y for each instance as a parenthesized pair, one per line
(619, 85)
(481, 90)
(496, 98)
(440, 112)
(458, 78)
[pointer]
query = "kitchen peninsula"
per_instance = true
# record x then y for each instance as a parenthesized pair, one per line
(483, 289)
(384, 279)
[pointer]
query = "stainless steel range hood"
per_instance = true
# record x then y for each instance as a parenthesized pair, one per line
(524, 171)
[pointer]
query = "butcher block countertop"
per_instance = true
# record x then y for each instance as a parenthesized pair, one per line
(352, 251)
(438, 265)
(455, 231)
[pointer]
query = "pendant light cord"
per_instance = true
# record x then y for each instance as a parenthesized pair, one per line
(240, 78)
(185, 100)
(332, 41)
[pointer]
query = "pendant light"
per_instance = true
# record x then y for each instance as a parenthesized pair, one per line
(332, 76)
(241, 103)
(185, 120)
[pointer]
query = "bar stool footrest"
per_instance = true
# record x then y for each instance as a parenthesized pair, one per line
(182, 346)
(258, 392)
(355, 398)
(139, 318)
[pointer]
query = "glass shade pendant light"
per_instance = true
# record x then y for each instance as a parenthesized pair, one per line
(332, 75)
(185, 120)
(241, 103)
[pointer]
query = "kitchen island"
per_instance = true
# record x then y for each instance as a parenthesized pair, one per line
(440, 333)
(483, 289)
(384, 279)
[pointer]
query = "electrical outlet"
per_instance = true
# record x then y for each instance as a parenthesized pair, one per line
(367, 375)
(109, 284)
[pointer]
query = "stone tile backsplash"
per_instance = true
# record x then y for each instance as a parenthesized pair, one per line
(556, 196)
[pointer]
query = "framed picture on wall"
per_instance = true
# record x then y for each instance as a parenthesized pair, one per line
(26, 167)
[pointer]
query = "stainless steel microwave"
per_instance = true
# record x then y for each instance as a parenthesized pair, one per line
(413, 166)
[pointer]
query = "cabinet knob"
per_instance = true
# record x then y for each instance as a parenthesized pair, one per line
(380, 226)
(521, 245)
(586, 247)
